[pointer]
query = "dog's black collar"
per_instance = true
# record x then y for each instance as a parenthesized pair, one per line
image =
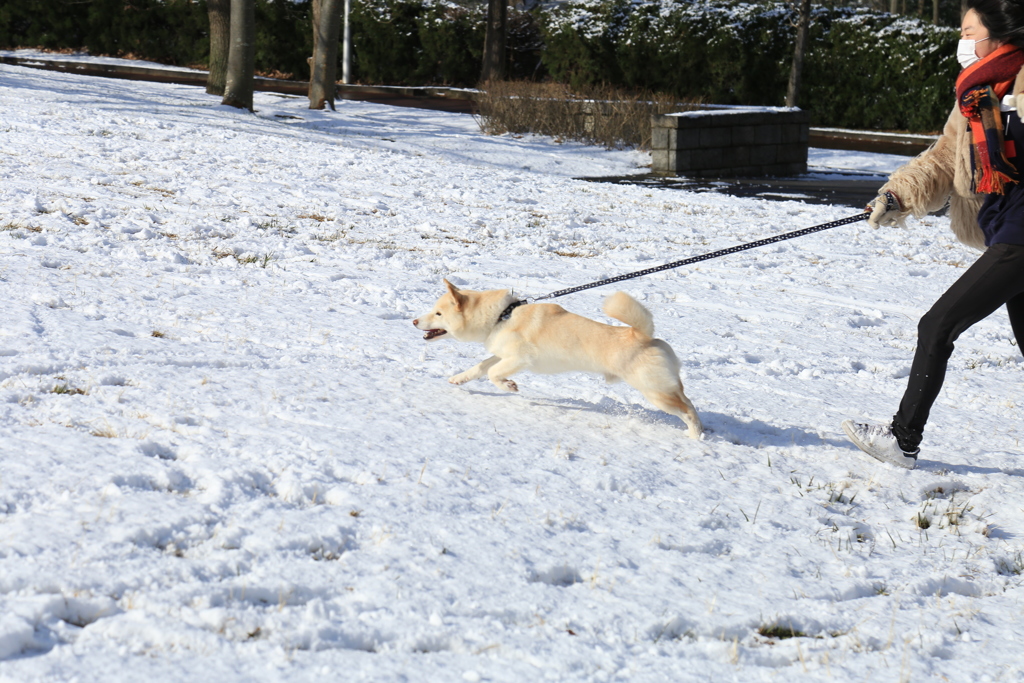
(507, 313)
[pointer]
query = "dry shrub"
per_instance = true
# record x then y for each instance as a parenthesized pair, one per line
(600, 115)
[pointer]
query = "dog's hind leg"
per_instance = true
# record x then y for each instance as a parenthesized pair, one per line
(676, 403)
(475, 372)
(501, 370)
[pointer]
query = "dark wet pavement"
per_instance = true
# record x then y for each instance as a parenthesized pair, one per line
(839, 188)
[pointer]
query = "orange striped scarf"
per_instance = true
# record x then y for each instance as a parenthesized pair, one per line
(979, 89)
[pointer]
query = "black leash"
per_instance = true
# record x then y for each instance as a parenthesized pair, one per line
(891, 204)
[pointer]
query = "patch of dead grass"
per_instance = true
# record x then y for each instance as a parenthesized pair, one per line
(612, 117)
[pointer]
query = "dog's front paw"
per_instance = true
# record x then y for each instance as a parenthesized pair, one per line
(460, 378)
(510, 385)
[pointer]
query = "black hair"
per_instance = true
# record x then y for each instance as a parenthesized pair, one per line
(1004, 19)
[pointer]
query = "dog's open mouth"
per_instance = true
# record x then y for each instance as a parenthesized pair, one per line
(432, 334)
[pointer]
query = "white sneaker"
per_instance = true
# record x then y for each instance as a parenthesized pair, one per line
(878, 441)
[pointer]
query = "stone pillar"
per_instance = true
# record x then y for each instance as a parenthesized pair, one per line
(730, 142)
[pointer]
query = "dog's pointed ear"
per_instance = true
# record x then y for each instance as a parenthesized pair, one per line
(456, 294)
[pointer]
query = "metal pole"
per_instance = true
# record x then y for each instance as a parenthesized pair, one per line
(346, 48)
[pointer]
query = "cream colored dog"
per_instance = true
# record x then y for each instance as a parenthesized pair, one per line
(546, 338)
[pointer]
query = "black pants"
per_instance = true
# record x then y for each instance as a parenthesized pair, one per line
(997, 278)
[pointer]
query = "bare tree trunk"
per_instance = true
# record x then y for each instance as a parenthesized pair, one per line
(238, 84)
(894, 6)
(935, 12)
(796, 72)
(494, 41)
(314, 8)
(220, 41)
(324, 67)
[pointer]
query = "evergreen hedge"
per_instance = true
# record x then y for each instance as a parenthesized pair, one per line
(417, 42)
(862, 69)
(166, 31)
(396, 42)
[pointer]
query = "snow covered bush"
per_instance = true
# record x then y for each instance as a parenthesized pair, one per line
(868, 70)
(386, 44)
(863, 69)
(453, 42)
(411, 42)
(727, 54)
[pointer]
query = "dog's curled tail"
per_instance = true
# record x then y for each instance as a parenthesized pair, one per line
(622, 306)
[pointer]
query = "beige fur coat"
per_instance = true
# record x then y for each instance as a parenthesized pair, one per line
(941, 172)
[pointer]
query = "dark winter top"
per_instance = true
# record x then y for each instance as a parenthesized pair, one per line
(1002, 215)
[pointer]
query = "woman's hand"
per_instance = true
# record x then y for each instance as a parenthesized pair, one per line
(885, 210)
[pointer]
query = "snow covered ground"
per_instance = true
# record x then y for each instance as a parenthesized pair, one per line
(226, 454)
(86, 58)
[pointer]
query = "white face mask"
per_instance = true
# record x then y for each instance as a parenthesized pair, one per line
(966, 51)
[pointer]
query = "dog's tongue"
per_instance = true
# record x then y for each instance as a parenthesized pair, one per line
(433, 333)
